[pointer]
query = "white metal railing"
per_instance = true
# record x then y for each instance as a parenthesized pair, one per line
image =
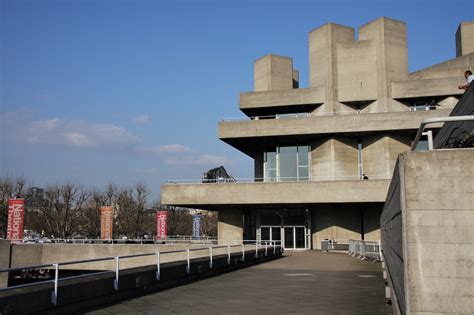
(282, 179)
(325, 114)
(169, 240)
(245, 246)
(427, 121)
(365, 249)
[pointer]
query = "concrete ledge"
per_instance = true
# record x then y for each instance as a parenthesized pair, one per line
(281, 98)
(326, 125)
(83, 293)
(427, 88)
(274, 193)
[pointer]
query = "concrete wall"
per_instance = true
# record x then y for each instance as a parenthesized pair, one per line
(273, 72)
(379, 154)
(334, 158)
(465, 39)
(4, 261)
(230, 226)
(427, 232)
(448, 69)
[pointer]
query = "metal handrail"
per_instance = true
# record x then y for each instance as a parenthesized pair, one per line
(281, 179)
(428, 121)
(54, 293)
(359, 248)
(354, 112)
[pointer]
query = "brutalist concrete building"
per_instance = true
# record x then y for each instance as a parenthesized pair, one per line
(324, 155)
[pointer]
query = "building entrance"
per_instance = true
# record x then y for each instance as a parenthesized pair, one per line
(289, 226)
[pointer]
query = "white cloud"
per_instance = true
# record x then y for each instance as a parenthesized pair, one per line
(64, 132)
(175, 148)
(149, 171)
(141, 119)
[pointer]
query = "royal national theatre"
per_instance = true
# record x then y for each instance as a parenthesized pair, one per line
(324, 155)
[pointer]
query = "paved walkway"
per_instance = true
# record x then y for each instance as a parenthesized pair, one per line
(303, 282)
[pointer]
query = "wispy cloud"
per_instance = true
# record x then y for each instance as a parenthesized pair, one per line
(141, 119)
(149, 171)
(65, 132)
(178, 154)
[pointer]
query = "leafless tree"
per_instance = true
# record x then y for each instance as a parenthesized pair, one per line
(133, 219)
(63, 209)
(209, 223)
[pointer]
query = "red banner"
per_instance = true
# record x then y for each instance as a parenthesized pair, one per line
(16, 212)
(161, 224)
(106, 222)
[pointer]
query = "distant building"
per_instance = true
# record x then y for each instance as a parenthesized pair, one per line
(313, 146)
(34, 197)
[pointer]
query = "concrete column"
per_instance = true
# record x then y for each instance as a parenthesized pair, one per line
(465, 39)
(389, 36)
(380, 152)
(273, 72)
(335, 222)
(258, 166)
(5, 248)
(334, 158)
(323, 70)
(230, 225)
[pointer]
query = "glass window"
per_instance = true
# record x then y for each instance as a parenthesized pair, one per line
(288, 163)
(270, 166)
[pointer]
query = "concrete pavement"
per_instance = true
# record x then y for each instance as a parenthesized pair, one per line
(301, 282)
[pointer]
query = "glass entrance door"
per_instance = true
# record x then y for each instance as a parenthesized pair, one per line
(295, 238)
(270, 233)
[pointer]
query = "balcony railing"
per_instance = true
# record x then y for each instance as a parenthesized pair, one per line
(281, 180)
(353, 112)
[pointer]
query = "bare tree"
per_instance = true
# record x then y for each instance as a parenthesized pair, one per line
(9, 188)
(63, 209)
(209, 223)
(133, 219)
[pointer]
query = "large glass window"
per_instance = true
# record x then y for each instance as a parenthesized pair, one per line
(288, 163)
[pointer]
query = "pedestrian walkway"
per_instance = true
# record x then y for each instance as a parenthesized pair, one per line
(307, 282)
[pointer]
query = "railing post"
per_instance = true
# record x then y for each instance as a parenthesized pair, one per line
(228, 254)
(158, 271)
(256, 250)
(188, 267)
(54, 294)
(210, 257)
(243, 252)
(266, 249)
(274, 248)
(117, 268)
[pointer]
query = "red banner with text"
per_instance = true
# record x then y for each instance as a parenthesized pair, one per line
(106, 222)
(161, 224)
(16, 213)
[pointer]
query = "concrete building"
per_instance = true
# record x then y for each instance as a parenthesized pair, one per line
(312, 147)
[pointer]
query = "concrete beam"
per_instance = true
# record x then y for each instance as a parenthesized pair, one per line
(427, 88)
(253, 101)
(219, 196)
(326, 125)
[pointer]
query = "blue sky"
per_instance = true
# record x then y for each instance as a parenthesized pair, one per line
(132, 91)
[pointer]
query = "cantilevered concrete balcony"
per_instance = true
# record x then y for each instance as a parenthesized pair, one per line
(267, 102)
(247, 135)
(267, 194)
(427, 88)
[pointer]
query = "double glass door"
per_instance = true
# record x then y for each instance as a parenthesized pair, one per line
(294, 237)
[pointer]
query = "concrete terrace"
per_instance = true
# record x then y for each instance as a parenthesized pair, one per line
(300, 282)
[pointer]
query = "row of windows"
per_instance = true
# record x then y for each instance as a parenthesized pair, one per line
(289, 163)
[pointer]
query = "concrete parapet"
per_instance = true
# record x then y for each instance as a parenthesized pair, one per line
(427, 233)
(230, 195)
(5, 250)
